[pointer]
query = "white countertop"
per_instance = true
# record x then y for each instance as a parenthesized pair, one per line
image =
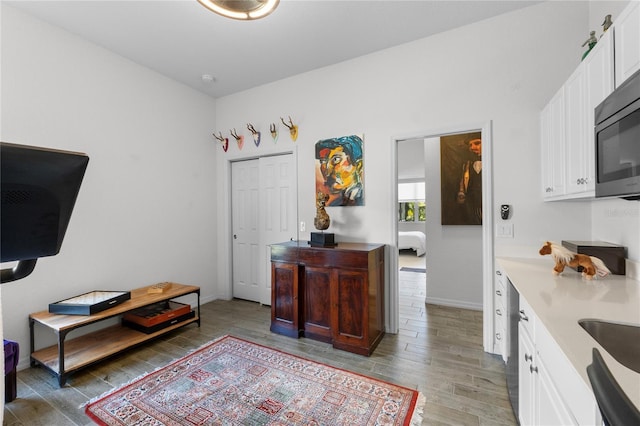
(560, 301)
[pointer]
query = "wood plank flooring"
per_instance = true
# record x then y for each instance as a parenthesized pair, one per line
(438, 351)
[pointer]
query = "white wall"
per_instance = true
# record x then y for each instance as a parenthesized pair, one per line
(146, 211)
(502, 69)
(411, 162)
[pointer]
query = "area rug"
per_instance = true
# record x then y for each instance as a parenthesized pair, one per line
(406, 269)
(231, 381)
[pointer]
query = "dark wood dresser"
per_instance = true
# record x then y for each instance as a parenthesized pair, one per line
(335, 295)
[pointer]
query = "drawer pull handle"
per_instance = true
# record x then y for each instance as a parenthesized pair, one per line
(499, 312)
(498, 273)
(498, 336)
(498, 292)
(528, 357)
(533, 369)
(523, 317)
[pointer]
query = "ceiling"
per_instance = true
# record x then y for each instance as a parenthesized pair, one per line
(184, 41)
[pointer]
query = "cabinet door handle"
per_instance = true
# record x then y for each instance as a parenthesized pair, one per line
(498, 273)
(498, 336)
(533, 369)
(528, 357)
(498, 292)
(499, 312)
(523, 317)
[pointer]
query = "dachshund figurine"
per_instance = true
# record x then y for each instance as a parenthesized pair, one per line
(592, 266)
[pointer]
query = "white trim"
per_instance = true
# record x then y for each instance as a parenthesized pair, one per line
(487, 229)
(453, 303)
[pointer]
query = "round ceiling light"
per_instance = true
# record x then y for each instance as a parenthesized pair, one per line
(241, 9)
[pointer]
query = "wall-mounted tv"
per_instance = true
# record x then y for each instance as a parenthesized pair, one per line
(39, 191)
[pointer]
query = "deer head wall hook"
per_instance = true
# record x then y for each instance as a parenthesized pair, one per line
(256, 134)
(293, 129)
(239, 139)
(224, 141)
(274, 132)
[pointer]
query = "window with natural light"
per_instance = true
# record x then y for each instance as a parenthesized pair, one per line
(411, 204)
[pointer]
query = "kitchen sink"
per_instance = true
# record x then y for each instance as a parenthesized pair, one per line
(621, 341)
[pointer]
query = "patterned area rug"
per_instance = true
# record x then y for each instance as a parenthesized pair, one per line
(231, 381)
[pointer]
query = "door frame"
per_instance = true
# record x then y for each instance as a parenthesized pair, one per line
(225, 228)
(487, 224)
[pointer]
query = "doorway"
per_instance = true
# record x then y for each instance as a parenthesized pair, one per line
(483, 245)
(412, 216)
(263, 212)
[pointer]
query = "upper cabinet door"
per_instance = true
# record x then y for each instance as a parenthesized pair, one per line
(598, 84)
(575, 131)
(627, 42)
(553, 147)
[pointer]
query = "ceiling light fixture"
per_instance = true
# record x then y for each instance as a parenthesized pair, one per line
(241, 9)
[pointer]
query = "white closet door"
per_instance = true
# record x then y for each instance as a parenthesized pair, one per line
(264, 212)
(245, 214)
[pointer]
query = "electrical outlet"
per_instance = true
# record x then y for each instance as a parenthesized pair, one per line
(303, 226)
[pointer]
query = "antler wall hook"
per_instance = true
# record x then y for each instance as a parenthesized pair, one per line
(293, 129)
(256, 134)
(224, 141)
(239, 139)
(274, 132)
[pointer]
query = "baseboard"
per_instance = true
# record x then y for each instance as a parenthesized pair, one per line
(454, 303)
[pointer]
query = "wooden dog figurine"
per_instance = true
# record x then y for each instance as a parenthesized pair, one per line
(322, 220)
(592, 266)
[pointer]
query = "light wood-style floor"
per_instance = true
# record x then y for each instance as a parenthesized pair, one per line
(437, 351)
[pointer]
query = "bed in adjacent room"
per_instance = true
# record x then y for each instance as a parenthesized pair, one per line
(413, 240)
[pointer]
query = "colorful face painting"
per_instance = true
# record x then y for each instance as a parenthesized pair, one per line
(340, 170)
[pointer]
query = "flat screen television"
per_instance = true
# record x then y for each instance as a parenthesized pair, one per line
(39, 191)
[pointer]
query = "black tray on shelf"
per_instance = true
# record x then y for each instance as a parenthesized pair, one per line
(89, 303)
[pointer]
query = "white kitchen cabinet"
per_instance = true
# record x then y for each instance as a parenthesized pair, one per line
(567, 126)
(599, 83)
(576, 131)
(550, 409)
(526, 382)
(627, 41)
(587, 87)
(553, 147)
(542, 399)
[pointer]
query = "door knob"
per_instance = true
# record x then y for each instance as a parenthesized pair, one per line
(235, 237)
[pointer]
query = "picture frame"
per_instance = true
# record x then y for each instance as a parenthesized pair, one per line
(461, 179)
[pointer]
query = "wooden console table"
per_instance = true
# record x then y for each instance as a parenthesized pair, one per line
(335, 295)
(77, 353)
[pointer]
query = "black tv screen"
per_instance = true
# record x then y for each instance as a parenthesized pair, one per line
(39, 190)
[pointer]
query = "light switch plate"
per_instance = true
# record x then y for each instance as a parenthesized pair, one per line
(505, 230)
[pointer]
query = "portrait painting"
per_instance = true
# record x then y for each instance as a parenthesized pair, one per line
(340, 170)
(461, 178)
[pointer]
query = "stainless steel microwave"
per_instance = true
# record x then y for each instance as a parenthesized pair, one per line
(617, 142)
